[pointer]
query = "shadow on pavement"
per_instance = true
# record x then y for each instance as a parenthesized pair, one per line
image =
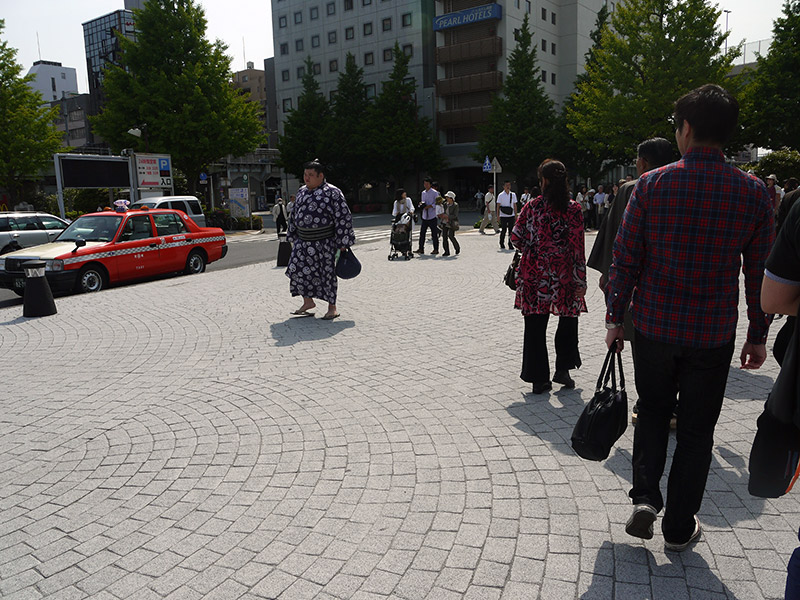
(306, 329)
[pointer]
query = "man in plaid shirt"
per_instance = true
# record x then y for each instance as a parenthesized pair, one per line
(678, 256)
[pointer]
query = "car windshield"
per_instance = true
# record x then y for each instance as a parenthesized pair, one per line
(92, 228)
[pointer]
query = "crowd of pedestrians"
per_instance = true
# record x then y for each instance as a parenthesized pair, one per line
(670, 248)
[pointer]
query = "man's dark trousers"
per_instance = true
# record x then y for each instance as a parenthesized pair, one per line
(280, 224)
(701, 375)
(432, 224)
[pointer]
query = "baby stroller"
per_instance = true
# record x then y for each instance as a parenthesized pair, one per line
(401, 237)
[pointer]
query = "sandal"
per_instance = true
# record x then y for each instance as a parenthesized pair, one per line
(330, 317)
(302, 313)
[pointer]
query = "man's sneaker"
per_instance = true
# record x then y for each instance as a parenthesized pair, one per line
(641, 522)
(420, 251)
(435, 252)
(692, 539)
(564, 379)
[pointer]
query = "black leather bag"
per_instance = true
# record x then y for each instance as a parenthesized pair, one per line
(775, 455)
(510, 278)
(348, 266)
(605, 418)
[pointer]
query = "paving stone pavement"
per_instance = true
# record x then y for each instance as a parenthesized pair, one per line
(187, 438)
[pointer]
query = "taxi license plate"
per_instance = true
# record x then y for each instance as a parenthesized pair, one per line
(19, 283)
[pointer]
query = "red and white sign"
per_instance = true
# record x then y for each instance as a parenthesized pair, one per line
(153, 170)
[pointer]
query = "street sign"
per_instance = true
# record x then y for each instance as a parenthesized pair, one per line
(487, 165)
(203, 179)
(496, 168)
(153, 171)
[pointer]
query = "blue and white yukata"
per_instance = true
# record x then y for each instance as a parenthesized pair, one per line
(312, 265)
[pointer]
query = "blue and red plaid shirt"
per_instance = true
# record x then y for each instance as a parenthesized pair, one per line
(679, 252)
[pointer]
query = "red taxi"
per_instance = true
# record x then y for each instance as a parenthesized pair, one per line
(103, 248)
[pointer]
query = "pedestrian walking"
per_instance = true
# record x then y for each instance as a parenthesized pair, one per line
(490, 211)
(507, 206)
(402, 204)
(551, 278)
(479, 205)
(321, 224)
(678, 254)
(428, 216)
(450, 224)
(279, 215)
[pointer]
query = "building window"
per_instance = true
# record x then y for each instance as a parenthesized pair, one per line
(406, 19)
(528, 6)
(369, 58)
(331, 37)
(370, 89)
(544, 45)
(285, 75)
(315, 41)
(313, 12)
(333, 66)
(386, 24)
(366, 2)
(317, 68)
(349, 33)
(301, 71)
(332, 94)
(245, 78)
(331, 8)
(408, 50)
(348, 4)
(368, 28)
(298, 45)
(282, 21)
(287, 104)
(63, 76)
(552, 48)
(553, 18)
(284, 49)
(387, 55)
(298, 18)
(553, 78)
(544, 76)
(517, 3)
(544, 14)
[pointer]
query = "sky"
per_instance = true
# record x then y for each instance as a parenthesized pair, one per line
(246, 27)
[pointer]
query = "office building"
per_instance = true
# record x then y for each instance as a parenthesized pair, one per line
(53, 80)
(459, 56)
(72, 121)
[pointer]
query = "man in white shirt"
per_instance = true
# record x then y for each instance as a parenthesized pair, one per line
(507, 206)
(479, 205)
(600, 205)
(491, 209)
(280, 215)
(526, 196)
(428, 217)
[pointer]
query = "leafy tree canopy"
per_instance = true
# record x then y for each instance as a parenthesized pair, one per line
(28, 137)
(176, 86)
(654, 52)
(772, 100)
(520, 130)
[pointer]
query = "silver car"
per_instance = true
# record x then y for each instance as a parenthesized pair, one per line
(25, 229)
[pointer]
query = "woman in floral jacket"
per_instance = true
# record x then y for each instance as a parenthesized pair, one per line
(551, 277)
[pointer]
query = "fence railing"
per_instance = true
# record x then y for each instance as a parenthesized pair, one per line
(750, 50)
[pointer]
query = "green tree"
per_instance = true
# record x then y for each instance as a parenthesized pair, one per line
(176, 86)
(520, 130)
(654, 52)
(28, 137)
(772, 100)
(783, 163)
(398, 140)
(574, 154)
(303, 136)
(346, 130)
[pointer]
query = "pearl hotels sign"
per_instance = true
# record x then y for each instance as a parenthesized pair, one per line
(467, 17)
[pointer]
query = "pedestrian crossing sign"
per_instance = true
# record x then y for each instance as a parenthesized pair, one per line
(487, 165)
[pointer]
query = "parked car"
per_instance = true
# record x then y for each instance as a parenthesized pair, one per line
(188, 204)
(99, 249)
(26, 229)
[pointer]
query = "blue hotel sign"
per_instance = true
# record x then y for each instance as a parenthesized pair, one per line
(467, 17)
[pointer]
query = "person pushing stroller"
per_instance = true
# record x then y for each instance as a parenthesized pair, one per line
(402, 222)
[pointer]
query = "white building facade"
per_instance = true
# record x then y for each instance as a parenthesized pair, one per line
(459, 53)
(53, 80)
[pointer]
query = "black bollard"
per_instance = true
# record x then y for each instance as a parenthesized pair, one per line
(284, 250)
(38, 297)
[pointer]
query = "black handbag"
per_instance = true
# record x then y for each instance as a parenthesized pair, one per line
(510, 278)
(348, 266)
(605, 418)
(775, 456)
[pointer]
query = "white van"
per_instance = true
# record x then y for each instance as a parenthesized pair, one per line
(188, 204)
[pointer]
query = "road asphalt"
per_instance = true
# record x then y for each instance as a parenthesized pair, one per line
(188, 438)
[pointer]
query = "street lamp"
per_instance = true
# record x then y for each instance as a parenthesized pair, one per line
(727, 12)
(140, 132)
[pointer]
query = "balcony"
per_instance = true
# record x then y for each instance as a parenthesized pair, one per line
(480, 82)
(462, 117)
(485, 48)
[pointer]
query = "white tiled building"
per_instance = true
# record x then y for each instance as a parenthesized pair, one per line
(53, 80)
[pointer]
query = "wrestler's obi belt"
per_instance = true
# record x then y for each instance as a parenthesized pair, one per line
(315, 234)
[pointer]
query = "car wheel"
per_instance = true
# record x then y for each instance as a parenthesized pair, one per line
(91, 279)
(195, 263)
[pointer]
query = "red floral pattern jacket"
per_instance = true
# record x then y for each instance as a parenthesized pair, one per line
(552, 267)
